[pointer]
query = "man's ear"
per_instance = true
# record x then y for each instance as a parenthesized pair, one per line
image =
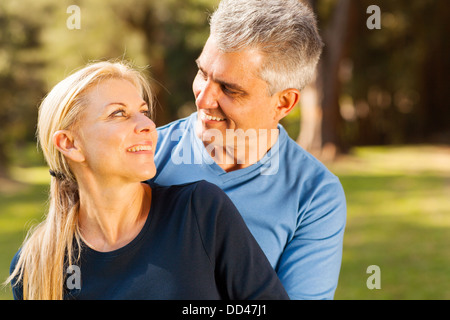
(287, 100)
(66, 144)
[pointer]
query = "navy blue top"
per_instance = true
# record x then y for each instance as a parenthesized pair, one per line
(194, 245)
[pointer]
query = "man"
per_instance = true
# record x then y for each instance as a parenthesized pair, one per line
(259, 55)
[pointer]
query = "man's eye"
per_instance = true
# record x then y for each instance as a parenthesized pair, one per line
(202, 74)
(228, 91)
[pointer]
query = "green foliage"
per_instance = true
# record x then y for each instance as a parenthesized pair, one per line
(37, 50)
(20, 75)
(393, 88)
(393, 76)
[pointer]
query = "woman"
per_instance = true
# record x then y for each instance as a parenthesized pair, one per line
(108, 235)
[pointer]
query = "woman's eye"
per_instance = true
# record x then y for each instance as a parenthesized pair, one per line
(118, 113)
(146, 112)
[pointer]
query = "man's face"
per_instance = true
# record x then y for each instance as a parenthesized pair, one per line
(229, 94)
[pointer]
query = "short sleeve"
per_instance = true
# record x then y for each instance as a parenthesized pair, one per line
(310, 264)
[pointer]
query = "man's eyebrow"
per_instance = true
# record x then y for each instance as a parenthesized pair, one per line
(229, 85)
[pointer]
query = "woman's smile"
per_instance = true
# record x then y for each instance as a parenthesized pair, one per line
(141, 148)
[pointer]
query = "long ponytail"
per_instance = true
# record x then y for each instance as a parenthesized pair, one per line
(50, 245)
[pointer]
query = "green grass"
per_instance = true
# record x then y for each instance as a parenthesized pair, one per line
(22, 205)
(398, 218)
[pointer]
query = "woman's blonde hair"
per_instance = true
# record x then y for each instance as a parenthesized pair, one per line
(51, 247)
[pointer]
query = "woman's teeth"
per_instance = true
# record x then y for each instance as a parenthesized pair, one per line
(140, 148)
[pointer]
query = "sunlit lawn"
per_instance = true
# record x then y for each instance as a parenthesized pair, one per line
(398, 218)
(22, 205)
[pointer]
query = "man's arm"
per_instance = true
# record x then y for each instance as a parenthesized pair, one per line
(310, 264)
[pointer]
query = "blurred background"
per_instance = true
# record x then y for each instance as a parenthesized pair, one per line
(377, 115)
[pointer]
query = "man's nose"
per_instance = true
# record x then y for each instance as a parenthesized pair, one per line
(207, 95)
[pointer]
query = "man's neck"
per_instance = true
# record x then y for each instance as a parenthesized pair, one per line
(240, 149)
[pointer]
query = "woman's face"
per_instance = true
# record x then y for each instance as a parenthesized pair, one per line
(115, 134)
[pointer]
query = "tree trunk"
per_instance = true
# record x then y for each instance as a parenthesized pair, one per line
(321, 119)
(310, 119)
(155, 36)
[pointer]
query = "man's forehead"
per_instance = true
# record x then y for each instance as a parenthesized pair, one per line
(229, 66)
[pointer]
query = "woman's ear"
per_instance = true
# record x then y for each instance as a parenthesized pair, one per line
(287, 99)
(66, 144)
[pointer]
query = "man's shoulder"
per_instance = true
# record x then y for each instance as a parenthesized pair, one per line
(301, 161)
(171, 133)
(311, 177)
(174, 125)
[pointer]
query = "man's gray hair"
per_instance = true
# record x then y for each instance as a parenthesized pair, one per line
(284, 31)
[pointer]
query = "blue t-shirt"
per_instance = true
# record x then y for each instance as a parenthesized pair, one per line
(293, 205)
(194, 245)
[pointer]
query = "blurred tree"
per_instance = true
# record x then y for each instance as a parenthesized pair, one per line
(373, 86)
(320, 102)
(21, 84)
(37, 50)
(175, 32)
(398, 82)
(379, 86)
(434, 70)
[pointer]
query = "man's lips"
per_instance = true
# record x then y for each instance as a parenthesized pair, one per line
(207, 117)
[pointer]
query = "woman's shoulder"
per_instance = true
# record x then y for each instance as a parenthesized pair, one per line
(200, 188)
(16, 285)
(14, 261)
(206, 201)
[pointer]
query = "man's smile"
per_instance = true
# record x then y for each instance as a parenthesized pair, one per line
(207, 117)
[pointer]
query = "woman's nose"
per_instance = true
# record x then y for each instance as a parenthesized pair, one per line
(144, 124)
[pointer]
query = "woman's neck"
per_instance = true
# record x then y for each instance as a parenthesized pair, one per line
(111, 217)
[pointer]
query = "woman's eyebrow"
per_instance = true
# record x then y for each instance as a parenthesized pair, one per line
(123, 104)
